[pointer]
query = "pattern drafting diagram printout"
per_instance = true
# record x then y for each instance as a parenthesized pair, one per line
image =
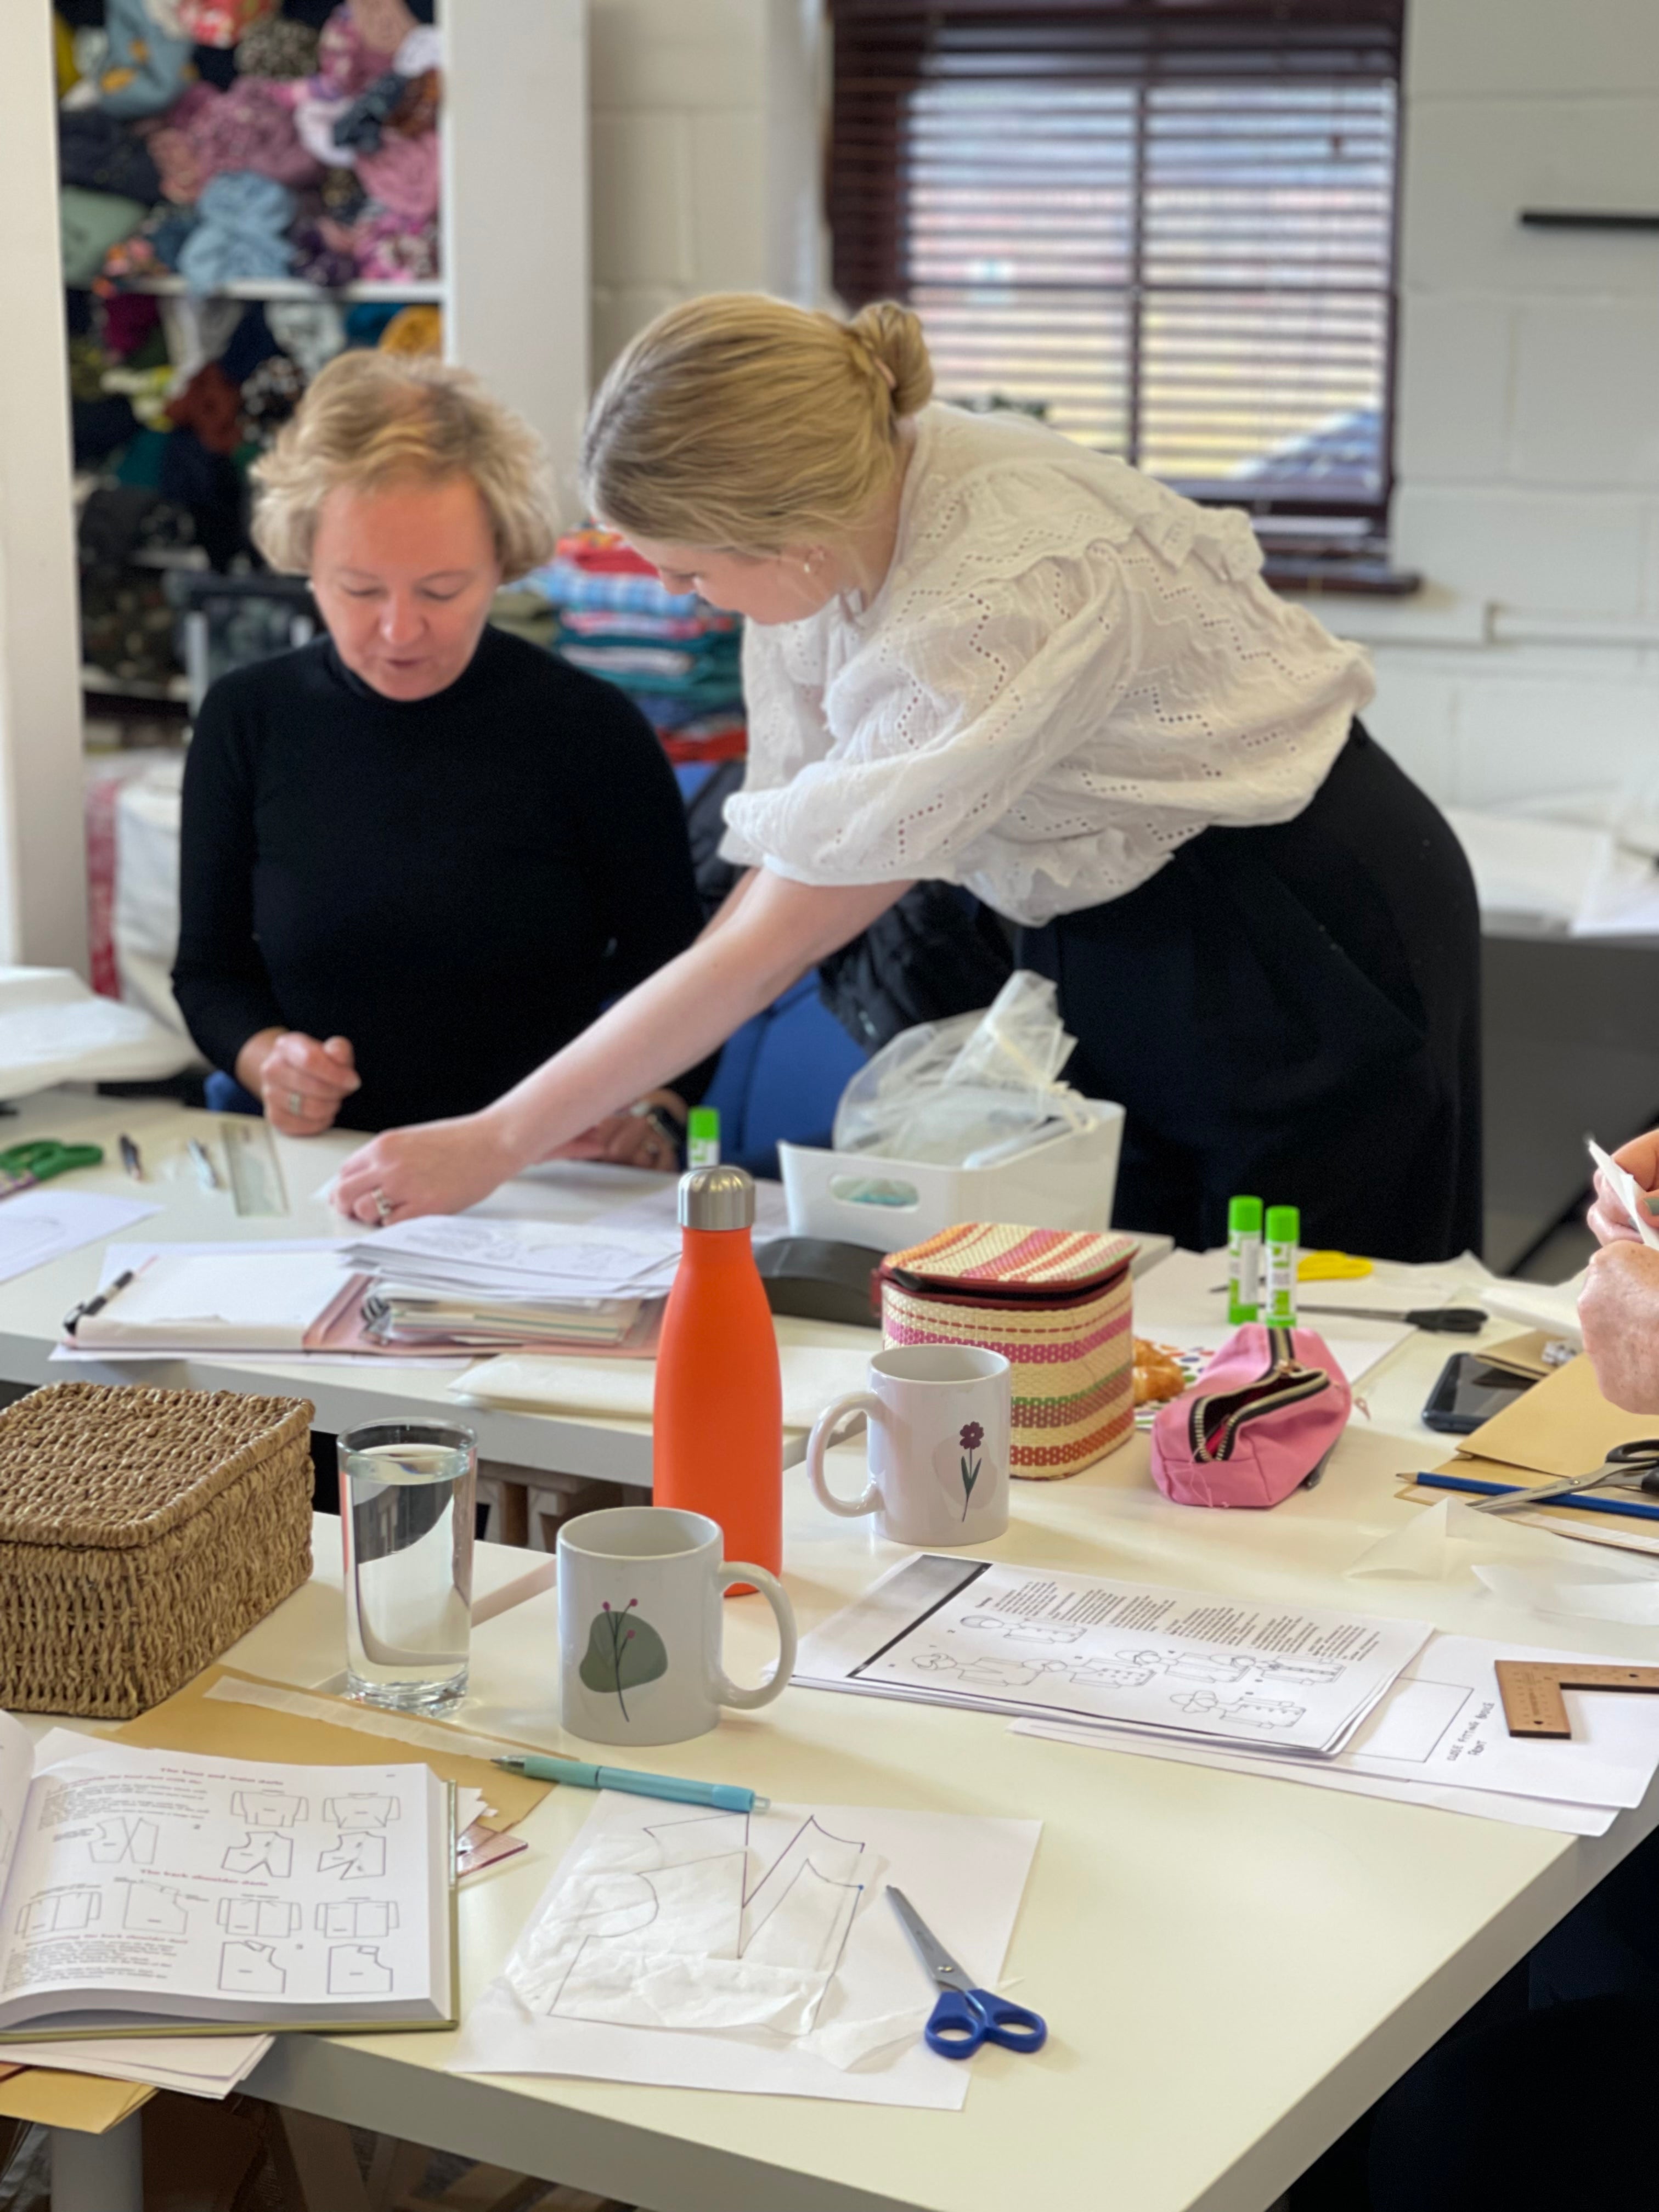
(1023, 1641)
(171, 1884)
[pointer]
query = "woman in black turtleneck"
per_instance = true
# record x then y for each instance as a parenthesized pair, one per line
(419, 856)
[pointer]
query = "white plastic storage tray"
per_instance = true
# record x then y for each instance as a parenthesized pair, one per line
(1066, 1182)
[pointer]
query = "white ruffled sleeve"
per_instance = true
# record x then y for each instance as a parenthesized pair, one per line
(956, 703)
(786, 730)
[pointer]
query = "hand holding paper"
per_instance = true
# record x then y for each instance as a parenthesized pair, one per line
(1621, 1210)
(1619, 1311)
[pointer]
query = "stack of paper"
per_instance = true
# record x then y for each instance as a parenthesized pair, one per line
(1382, 1708)
(522, 1259)
(405, 1314)
(1180, 1664)
(1440, 1738)
(197, 2066)
(490, 1285)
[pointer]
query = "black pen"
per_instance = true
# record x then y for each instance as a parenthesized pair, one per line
(78, 1314)
(131, 1159)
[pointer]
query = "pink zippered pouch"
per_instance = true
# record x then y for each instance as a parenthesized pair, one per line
(1259, 1422)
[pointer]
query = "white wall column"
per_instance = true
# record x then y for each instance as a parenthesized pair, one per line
(43, 875)
(515, 237)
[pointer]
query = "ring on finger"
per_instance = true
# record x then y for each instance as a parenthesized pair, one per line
(382, 1204)
(296, 1103)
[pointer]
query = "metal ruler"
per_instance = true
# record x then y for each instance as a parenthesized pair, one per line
(1531, 1690)
(256, 1181)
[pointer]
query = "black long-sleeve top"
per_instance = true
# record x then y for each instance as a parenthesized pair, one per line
(458, 884)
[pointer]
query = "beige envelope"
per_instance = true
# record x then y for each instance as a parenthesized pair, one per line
(81, 2101)
(1562, 1425)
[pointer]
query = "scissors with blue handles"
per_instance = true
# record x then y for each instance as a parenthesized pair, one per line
(965, 2017)
(23, 1166)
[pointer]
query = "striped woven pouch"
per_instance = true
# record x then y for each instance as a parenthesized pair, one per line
(1055, 1302)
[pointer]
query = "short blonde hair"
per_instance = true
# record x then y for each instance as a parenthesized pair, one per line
(741, 422)
(370, 419)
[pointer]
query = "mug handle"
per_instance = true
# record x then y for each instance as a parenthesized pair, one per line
(855, 1401)
(728, 1692)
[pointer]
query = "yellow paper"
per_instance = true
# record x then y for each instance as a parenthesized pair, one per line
(81, 2101)
(1331, 1267)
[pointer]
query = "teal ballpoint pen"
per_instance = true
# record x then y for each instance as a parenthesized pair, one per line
(723, 1796)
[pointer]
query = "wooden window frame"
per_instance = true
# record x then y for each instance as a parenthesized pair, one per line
(1314, 541)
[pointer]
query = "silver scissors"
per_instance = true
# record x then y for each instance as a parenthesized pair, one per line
(965, 2017)
(1634, 1465)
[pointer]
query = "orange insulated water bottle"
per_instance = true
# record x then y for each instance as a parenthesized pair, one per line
(717, 1444)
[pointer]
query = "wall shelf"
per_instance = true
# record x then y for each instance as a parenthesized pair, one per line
(417, 290)
(98, 683)
(1585, 219)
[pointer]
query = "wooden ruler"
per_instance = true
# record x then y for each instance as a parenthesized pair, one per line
(1531, 1690)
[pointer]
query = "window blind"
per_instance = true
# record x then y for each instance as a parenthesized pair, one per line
(1166, 225)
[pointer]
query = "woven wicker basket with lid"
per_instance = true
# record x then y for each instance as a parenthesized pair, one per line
(1055, 1302)
(142, 1532)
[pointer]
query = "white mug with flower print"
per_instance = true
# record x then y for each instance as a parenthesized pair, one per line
(939, 1420)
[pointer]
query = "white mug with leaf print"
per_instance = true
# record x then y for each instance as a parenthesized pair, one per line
(640, 1623)
(939, 1420)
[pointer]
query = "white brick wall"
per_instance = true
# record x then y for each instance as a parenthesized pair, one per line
(703, 145)
(1528, 395)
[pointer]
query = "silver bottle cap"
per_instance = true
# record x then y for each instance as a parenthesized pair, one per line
(717, 1198)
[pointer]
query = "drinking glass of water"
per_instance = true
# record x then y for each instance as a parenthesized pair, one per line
(406, 1494)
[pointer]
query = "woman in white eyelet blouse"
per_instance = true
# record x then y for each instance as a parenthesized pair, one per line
(980, 653)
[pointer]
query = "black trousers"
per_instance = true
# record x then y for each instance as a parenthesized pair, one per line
(1292, 1010)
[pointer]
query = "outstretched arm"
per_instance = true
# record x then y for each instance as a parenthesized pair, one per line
(757, 947)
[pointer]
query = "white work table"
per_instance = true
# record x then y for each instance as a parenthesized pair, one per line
(1232, 1967)
(32, 1306)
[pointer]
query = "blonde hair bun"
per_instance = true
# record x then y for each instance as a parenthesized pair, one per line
(892, 334)
(740, 422)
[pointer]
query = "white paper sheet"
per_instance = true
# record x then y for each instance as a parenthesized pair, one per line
(195, 2065)
(522, 1258)
(759, 1911)
(1178, 1304)
(38, 1225)
(1628, 1192)
(1569, 1592)
(240, 1297)
(618, 1389)
(1442, 1728)
(1483, 1804)
(1449, 1541)
(659, 1209)
(954, 1630)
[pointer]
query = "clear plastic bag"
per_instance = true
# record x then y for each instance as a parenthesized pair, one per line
(968, 1092)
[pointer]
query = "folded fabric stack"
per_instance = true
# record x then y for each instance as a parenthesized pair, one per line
(172, 399)
(677, 657)
(225, 140)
